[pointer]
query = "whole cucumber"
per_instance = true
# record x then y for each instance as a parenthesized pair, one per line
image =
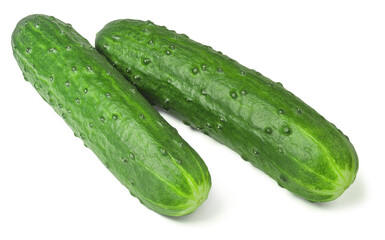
(113, 119)
(239, 107)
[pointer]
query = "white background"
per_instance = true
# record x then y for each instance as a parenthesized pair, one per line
(331, 54)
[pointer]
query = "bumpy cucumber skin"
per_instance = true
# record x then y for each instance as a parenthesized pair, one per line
(258, 118)
(132, 140)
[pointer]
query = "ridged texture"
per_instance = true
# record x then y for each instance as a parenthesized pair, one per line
(132, 140)
(258, 118)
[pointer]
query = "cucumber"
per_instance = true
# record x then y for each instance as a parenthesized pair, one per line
(113, 119)
(239, 107)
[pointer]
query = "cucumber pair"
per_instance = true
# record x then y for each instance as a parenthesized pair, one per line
(101, 99)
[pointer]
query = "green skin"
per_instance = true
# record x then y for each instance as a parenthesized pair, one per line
(258, 118)
(131, 139)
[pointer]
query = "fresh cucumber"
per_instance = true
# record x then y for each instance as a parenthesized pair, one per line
(113, 119)
(239, 107)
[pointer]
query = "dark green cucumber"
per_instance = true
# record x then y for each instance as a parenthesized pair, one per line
(132, 140)
(258, 118)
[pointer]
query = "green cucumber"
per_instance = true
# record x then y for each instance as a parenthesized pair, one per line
(113, 119)
(239, 107)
